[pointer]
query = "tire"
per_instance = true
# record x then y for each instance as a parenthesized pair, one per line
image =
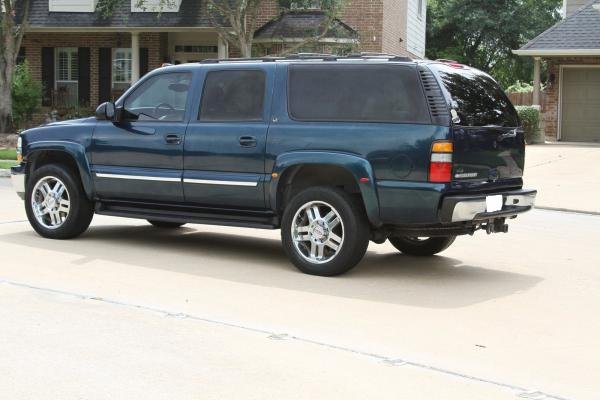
(421, 247)
(57, 220)
(347, 229)
(166, 225)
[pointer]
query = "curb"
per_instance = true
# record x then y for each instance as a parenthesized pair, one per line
(567, 210)
(4, 173)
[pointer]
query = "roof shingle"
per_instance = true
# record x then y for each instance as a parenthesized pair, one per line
(302, 24)
(192, 13)
(581, 30)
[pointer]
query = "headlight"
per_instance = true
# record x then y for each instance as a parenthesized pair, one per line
(19, 149)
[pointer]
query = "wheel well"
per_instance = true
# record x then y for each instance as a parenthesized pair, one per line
(45, 157)
(298, 178)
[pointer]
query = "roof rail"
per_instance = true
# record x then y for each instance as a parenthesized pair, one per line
(374, 55)
(311, 56)
(240, 59)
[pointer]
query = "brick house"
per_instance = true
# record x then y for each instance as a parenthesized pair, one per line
(571, 51)
(83, 58)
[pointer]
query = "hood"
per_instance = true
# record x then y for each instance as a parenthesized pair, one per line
(72, 122)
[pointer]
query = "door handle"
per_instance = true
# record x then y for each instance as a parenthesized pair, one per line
(173, 139)
(247, 141)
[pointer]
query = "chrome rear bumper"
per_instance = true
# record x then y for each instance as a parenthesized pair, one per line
(475, 207)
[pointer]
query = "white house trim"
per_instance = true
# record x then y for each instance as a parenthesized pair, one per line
(72, 5)
(558, 52)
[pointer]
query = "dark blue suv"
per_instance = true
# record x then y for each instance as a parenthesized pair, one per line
(335, 151)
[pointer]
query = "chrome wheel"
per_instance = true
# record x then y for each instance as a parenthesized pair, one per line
(317, 232)
(50, 202)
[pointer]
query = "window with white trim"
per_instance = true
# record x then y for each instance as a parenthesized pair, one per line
(121, 68)
(66, 76)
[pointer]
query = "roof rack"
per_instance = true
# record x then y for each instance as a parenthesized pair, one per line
(239, 59)
(312, 56)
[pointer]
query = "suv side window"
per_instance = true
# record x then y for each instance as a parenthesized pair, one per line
(160, 98)
(356, 93)
(233, 95)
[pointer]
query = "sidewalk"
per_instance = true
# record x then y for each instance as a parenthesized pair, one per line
(567, 176)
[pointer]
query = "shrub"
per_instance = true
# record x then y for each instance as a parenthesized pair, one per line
(520, 87)
(530, 119)
(26, 94)
(77, 112)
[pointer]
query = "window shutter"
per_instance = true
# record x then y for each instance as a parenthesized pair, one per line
(104, 74)
(143, 61)
(21, 57)
(47, 75)
(84, 76)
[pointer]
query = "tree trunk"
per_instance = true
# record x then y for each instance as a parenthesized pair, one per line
(246, 49)
(5, 104)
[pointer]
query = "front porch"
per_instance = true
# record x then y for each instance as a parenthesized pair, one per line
(83, 69)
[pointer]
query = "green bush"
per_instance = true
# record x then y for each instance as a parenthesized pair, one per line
(530, 119)
(26, 95)
(520, 87)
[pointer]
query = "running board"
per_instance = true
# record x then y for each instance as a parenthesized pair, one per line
(261, 220)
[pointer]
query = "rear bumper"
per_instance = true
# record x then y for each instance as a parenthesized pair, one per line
(474, 207)
(17, 177)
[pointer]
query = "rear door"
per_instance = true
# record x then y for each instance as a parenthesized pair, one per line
(224, 152)
(489, 146)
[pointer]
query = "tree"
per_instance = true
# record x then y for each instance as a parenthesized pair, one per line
(483, 33)
(237, 20)
(13, 22)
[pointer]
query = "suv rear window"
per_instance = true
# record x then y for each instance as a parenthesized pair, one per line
(476, 97)
(356, 93)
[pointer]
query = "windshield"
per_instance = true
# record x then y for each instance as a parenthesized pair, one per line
(476, 97)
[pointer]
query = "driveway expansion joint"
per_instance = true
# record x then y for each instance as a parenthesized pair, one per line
(392, 361)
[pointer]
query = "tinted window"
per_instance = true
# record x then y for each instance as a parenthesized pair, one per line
(161, 98)
(359, 93)
(233, 96)
(476, 97)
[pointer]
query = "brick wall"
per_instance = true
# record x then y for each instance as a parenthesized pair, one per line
(552, 92)
(34, 42)
(366, 17)
(394, 27)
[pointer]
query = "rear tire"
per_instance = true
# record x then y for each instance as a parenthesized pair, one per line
(324, 231)
(421, 247)
(56, 204)
(166, 224)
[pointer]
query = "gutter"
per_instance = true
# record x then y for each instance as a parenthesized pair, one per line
(558, 52)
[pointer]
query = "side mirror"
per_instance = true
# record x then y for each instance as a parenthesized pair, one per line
(106, 111)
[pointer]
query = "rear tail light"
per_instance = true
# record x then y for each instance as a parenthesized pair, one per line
(440, 165)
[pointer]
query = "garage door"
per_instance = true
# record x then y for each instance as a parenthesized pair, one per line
(580, 120)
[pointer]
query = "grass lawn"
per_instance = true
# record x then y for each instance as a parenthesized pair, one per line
(8, 154)
(7, 164)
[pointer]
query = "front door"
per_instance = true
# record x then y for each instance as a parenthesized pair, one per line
(141, 157)
(224, 163)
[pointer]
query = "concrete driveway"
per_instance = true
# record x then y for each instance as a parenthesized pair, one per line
(129, 311)
(567, 176)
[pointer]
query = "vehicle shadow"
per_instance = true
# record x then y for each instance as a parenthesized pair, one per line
(390, 277)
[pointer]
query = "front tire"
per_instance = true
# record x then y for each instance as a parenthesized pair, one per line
(324, 231)
(422, 247)
(56, 204)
